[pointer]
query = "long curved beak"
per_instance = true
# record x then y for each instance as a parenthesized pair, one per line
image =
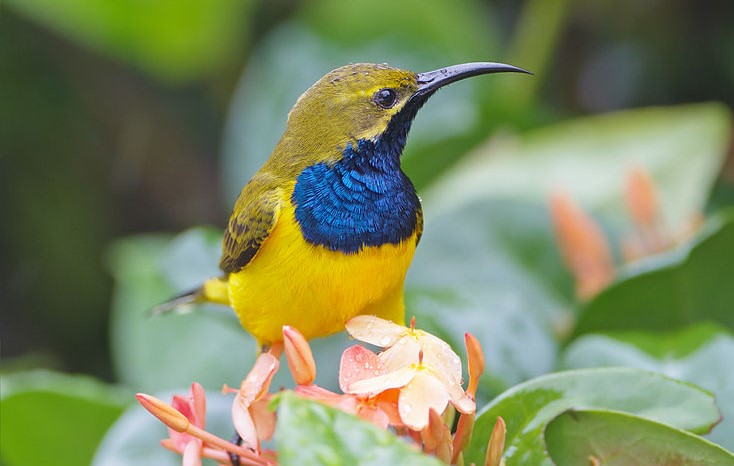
(430, 81)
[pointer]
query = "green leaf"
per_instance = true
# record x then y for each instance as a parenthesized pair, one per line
(171, 351)
(344, 22)
(528, 407)
(667, 346)
(620, 439)
(170, 39)
(701, 354)
(493, 269)
(682, 148)
(668, 291)
(309, 432)
(51, 418)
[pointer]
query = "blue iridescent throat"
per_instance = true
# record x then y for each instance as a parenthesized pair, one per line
(362, 200)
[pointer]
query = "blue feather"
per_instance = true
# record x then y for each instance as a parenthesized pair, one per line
(362, 200)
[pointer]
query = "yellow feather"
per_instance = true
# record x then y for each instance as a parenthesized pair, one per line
(291, 282)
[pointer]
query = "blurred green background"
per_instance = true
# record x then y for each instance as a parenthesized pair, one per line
(120, 118)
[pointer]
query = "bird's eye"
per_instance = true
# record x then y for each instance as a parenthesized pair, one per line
(386, 98)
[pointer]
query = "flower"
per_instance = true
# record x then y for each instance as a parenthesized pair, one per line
(436, 438)
(475, 362)
(407, 386)
(404, 345)
(199, 442)
(194, 408)
(422, 388)
(465, 426)
(179, 416)
(640, 199)
(299, 356)
(357, 363)
(370, 409)
(583, 246)
(423, 367)
(252, 419)
(496, 444)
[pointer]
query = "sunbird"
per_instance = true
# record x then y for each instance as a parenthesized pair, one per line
(327, 228)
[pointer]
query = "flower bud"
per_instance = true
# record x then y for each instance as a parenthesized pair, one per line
(299, 356)
(496, 445)
(165, 412)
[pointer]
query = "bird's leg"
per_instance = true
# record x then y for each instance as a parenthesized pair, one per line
(234, 458)
(275, 349)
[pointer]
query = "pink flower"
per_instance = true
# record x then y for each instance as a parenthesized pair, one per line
(357, 363)
(188, 438)
(194, 409)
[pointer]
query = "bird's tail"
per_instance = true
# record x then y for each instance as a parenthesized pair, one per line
(214, 290)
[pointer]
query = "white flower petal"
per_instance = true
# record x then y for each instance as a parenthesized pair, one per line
(375, 331)
(192, 453)
(458, 396)
(258, 379)
(439, 355)
(418, 397)
(402, 354)
(375, 385)
(244, 424)
(462, 401)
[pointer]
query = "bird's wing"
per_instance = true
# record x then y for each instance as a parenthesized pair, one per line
(418, 225)
(254, 216)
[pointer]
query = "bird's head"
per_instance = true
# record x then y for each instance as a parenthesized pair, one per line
(368, 102)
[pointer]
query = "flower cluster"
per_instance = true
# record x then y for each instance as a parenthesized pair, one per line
(586, 250)
(408, 387)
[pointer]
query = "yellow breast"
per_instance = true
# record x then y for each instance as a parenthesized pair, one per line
(314, 289)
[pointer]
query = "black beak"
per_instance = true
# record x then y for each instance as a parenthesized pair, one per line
(430, 81)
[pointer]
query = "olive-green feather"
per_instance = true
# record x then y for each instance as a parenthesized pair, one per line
(254, 217)
(418, 225)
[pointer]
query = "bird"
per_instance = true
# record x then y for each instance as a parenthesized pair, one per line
(327, 228)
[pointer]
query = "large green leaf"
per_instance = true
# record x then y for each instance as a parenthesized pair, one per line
(703, 354)
(528, 407)
(683, 149)
(167, 352)
(51, 418)
(686, 285)
(620, 439)
(492, 269)
(171, 39)
(309, 432)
